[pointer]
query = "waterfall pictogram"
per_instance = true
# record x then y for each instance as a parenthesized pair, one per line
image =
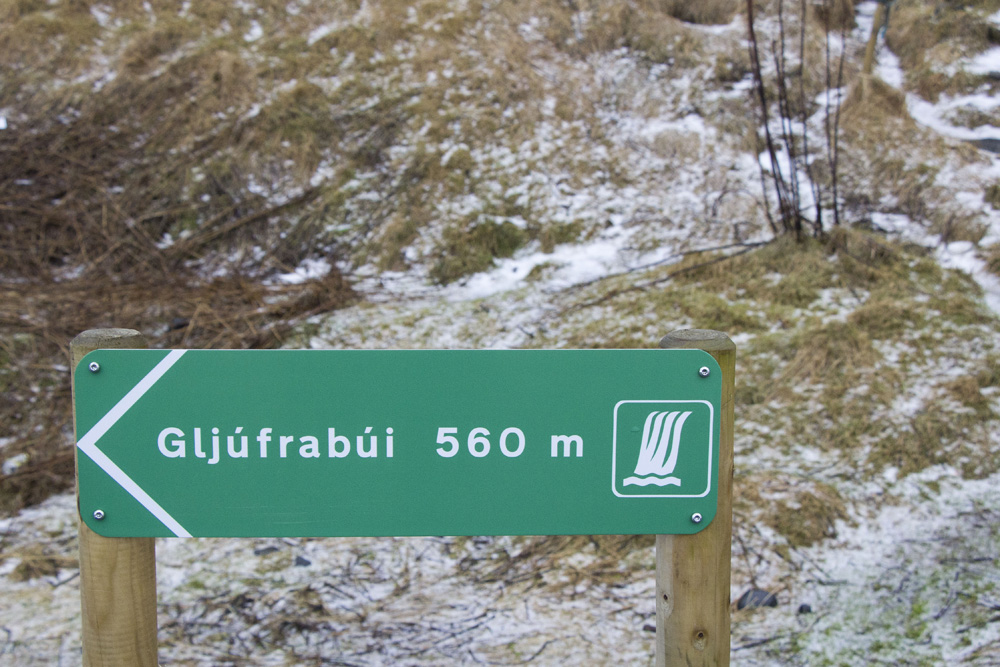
(658, 450)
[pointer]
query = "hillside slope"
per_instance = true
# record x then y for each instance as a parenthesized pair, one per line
(497, 175)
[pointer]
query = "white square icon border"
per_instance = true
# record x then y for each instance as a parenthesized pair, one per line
(614, 449)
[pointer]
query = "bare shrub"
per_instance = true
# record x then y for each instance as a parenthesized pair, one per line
(803, 171)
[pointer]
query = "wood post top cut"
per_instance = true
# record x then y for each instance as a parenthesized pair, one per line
(699, 339)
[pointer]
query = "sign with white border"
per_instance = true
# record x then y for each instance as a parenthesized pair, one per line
(299, 443)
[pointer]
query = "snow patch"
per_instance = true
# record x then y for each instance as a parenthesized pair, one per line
(322, 31)
(309, 269)
(986, 62)
(101, 14)
(962, 255)
(254, 33)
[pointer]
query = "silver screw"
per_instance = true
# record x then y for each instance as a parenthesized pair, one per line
(94, 367)
(98, 514)
(704, 371)
(696, 518)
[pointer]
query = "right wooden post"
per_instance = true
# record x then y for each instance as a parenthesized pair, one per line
(693, 571)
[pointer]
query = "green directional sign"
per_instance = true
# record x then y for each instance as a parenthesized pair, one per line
(299, 443)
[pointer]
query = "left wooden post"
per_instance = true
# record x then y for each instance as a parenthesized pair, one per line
(117, 575)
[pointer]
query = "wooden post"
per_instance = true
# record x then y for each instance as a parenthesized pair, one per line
(692, 571)
(881, 16)
(117, 575)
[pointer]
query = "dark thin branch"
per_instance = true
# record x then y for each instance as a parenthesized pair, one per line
(835, 153)
(758, 78)
(755, 643)
(667, 260)
(793, 212)
(814, 185)
(522, 662)
(639, 287)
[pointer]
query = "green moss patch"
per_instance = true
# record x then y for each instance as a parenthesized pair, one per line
(471, 250)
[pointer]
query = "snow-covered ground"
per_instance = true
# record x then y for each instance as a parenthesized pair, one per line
(907, 576)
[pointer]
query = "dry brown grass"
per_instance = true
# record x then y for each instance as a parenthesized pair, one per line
(885, 318)
(146, 48)
(834, 353)
(993, 258)
(952, 225)
(665, 39)
(803, 511)
(966, 390)
(834, 15)
(928, 38)
(649, 26)
(872, 101)
(90, 181)
(921, 32)
(879, 166)
(706, 12)
(539, 554)
(37, 321)
(939, 435)
(180, 143)
(36, 40)
(36, 562)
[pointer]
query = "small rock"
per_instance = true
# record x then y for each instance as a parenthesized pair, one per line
(991, 145)
(13, 463)
(649, 628)
(263, 551)
(302, 562)
(756, 597)
(805, 609)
